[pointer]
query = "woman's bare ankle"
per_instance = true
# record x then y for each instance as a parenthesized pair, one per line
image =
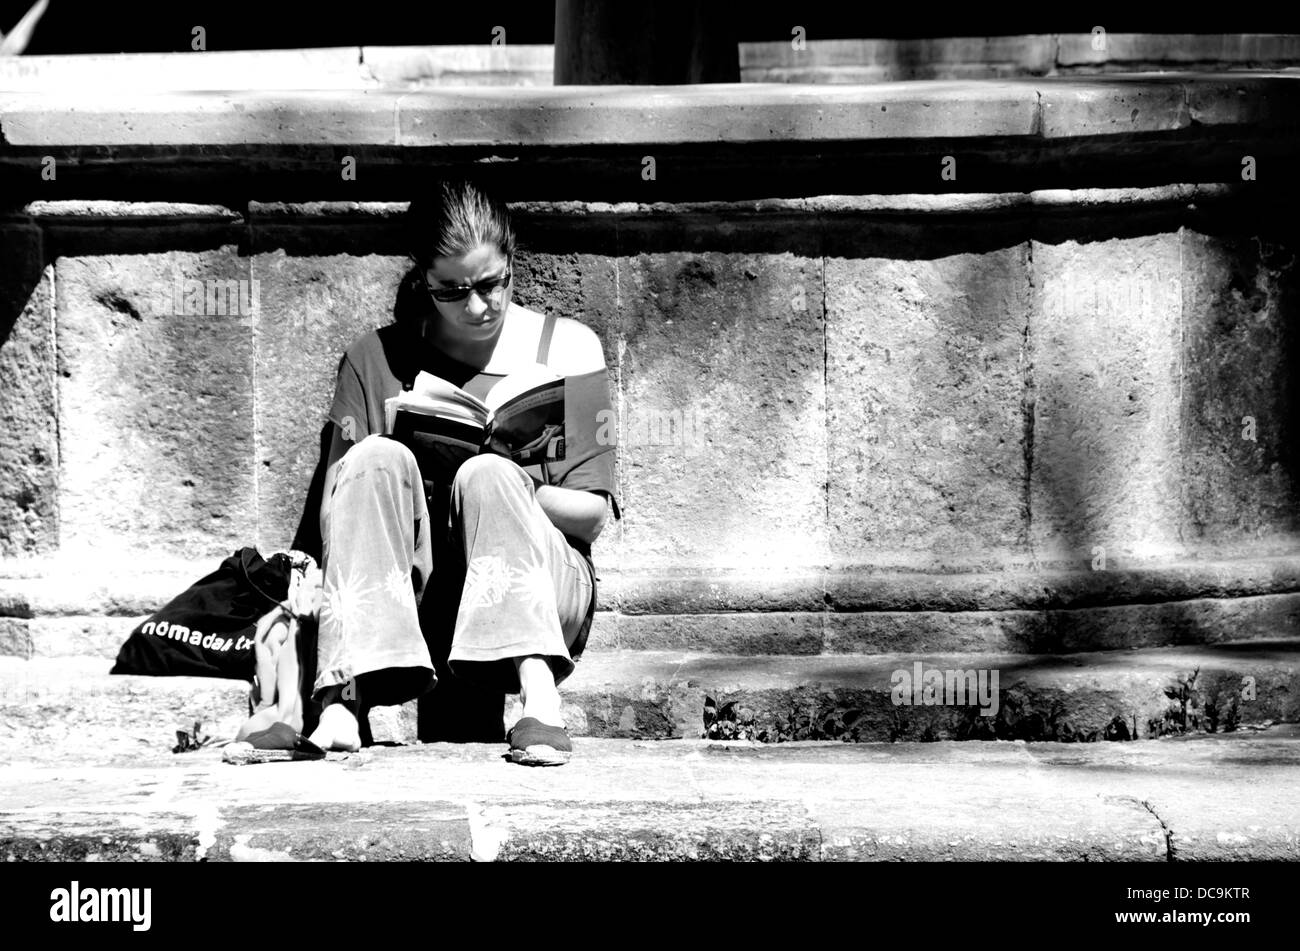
(537, 690)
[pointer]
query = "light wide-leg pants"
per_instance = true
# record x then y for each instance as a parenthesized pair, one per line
(525, 590)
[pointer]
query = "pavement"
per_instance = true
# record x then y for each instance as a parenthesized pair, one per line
(1205, 797)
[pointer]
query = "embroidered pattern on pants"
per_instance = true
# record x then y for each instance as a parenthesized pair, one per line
(489, 579)
(399, 587)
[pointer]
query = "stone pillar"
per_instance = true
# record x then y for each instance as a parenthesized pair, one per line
(599, 43)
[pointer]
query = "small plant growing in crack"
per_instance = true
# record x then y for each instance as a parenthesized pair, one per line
(1183, 692)
(726, 721)
(1118, 729)
(187, 741)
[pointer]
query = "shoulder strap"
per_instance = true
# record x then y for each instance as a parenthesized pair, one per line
(544, 345)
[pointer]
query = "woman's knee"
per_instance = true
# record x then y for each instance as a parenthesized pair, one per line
(377, 451)
(488, 472)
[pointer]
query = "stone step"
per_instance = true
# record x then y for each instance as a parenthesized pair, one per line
(60, 612)
(119, 584)
(72, 708)
(1200, 621)
(1210, 798)
(1127, 694)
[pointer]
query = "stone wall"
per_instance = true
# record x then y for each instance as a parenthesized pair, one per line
(1027, 392)
(864, 407)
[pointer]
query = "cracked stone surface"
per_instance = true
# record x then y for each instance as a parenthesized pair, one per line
(1189, 799)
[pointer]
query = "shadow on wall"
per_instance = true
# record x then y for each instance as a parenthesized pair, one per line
(1243, 402)
(21, 250)
(29, 450)
(1228, 349)
(307, 538)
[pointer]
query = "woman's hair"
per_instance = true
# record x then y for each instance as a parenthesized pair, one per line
(454, 219)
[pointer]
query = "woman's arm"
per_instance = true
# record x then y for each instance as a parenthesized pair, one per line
(579, 513)
(575, 512)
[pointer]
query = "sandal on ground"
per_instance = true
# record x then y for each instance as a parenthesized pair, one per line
(278, 743)
(533, 743)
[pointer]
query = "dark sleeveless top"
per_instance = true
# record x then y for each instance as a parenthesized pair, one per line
(385, 361)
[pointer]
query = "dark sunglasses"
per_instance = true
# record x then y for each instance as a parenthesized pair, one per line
(492, 291)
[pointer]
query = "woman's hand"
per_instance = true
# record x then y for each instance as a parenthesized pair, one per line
(267, 631)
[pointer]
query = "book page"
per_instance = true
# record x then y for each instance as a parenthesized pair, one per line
(433, 396)
(521, 381)
(432, 387)
(429, 408)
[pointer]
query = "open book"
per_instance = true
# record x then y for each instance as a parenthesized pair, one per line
(521, 418)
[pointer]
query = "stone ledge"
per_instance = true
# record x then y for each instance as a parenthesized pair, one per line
(1179, 800)
(809, 633)
(813, 633)
(50, 707)
(590, 143)
(510, 64)
(334, 68)
(147, 213)
(515, 64)
(55, 587)
(568, 116)
(327, 68)
(1074, 697)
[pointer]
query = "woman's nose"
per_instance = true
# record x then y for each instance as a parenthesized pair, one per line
(475, 305)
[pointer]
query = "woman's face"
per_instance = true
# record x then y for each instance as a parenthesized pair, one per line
(478, 314)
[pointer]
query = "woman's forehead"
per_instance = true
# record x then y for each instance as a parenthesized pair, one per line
(483, 262)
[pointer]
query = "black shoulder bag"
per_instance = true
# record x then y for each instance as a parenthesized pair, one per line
(207, 629)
